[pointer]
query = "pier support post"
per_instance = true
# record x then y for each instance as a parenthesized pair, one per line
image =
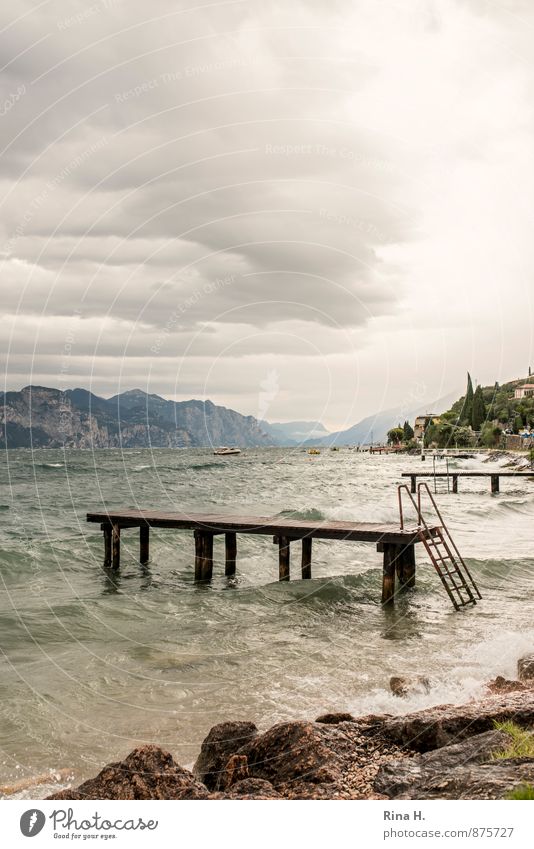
(455, 483)
(405, 566)
(283, 559)
(413, 483)
(107, 545)
(495, 483)
(203, 556)
(230, 544)
(306, 557)
(144, 545)
(116, 546)
(388, 572)
(199, 539)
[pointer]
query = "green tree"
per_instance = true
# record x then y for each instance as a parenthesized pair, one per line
(407, 431)
(431, 434)
(478, 411)
(395, 435)
(490, 435)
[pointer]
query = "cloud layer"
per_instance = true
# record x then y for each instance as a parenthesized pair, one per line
(196, 199)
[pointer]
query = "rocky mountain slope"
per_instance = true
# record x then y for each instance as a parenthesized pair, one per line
(50, 418)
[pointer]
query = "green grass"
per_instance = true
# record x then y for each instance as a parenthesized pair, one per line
(521, 742)
(523, 791)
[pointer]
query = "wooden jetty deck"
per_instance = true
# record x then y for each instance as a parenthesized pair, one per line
(494, 476)
(397, 546)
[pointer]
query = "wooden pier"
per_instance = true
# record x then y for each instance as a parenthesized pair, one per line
(494, 477)
(396, 545)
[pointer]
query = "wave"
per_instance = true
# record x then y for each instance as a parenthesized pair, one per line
(310, 514)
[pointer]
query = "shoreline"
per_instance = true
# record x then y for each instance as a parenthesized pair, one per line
(445, 752)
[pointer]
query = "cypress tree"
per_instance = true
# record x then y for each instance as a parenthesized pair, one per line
(478, 411)
(408, 431)
(467, 409)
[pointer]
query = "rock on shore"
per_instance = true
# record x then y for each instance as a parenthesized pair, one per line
(444, 752)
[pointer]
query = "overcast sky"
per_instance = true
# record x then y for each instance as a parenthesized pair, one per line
(301, 210)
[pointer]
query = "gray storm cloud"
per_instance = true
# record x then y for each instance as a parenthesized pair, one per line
(194, 194)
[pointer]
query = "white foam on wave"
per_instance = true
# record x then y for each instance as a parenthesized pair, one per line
(465, 680)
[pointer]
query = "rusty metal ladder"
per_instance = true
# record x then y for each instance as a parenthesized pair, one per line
(442, 550)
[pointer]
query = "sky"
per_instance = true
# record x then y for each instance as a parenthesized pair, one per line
(302, 211)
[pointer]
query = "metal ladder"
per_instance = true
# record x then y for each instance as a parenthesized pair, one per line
(442, 550)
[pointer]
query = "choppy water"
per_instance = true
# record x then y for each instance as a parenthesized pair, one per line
(93, 665)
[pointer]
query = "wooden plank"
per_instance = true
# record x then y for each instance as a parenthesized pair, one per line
(306, 557)
(283, 559)
(350, 531)
(144, 544)
(468, 474)
(230, 543)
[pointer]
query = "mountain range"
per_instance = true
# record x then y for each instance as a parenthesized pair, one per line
(50, 418)
(41, 417)
(375, 428)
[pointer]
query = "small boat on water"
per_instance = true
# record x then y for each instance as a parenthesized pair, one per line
(313, 451)
(225, 452)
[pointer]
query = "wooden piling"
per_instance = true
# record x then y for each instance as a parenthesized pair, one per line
(388, 573)
(405, 566)
(116, 546)
(413, 484)
(203, 556)
(495, 483)
(144, 544)
(207, 563)
(306, 557)
(230, 544)
(455, 483)
(107, 545)
(199, 547)
(283, 559)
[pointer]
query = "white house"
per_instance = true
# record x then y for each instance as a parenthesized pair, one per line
(525, 391)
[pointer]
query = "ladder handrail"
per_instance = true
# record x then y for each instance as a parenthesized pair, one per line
(424, 486)
(417, 510)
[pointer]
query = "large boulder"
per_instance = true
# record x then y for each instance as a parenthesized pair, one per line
(146, 773)
(439, 726)
(525, 668)
(223, 741)
(409, 778)
(293, 751)
(407, 685)
(335, 718)
(492, 780)
(503, 685)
